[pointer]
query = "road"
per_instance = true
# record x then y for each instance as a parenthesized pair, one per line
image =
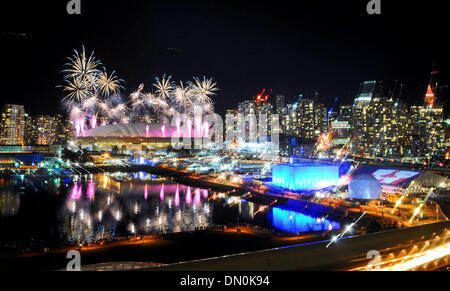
(346, 254)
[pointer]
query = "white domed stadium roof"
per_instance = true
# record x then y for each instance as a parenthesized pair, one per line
(364, 187)
(155, 130)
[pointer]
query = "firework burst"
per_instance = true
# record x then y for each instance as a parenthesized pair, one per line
(108, 84)
(119, 111)
(204, 90)
(81, 66)
(90, 91)
(76, 90)
(183, 95)
(93, 95)
(164, 87)
(90, 103)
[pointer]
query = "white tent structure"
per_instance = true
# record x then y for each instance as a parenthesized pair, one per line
(364, 187)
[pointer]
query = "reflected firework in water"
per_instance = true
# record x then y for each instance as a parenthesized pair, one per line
(103, 207)
(117, 205)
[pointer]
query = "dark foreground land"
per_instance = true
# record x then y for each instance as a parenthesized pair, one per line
(167, 249)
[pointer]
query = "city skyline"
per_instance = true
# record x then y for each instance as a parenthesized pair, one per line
(200, 135)
(292, 53)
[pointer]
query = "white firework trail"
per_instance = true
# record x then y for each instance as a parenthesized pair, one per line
(108, 84)
(164, 86)
(92, 94)
(90, 91)
(76, 89)
(81, 65)
(91, 103)
(204, 90)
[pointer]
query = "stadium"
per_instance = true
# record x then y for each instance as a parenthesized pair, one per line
(134, 136)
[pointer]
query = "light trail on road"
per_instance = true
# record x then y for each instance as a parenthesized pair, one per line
(429, 255)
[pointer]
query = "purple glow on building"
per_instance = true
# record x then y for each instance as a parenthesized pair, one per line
(163, 131)
(188, 196)
(93, 122)
(90, 191)
(76, 192)
(146, 192)
(161, 193)
(177, 196)
(78, 127)
(189, 124)
(197, 196)
(135, 130)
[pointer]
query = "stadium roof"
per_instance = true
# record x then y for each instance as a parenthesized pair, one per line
(143, 130)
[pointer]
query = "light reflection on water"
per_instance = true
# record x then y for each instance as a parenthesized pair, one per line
(107, 206)
(9, 199)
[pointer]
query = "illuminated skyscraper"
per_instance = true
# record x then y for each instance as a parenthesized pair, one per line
(430, 97)
(245, 114)
(380, 124)
(366, 91)
(47, 129)
(431, 131)
(12, 125)
(346, 113)
(305, 127)
(320, 119)
(279, 104)
(31, 130)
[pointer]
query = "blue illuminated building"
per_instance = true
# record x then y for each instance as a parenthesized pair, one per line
(296, 222)
(305, 176)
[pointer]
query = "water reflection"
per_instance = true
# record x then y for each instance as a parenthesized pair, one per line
(107, 206)
(104, 207)
(295, 222)
(285, 220)
(9, 199)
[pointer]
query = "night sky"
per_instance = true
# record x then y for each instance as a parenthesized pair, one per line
(292, 48)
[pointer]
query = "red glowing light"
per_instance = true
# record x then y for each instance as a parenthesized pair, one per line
(430, 99)
(261, 97)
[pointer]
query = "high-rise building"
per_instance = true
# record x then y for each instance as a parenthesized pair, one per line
(47, 129)
(320, 119)
(366, 91)
(430, 97)
(383, 127)
(305, 119)
(12, 125)
(279, 103)
(379, 127)
(289, 119)
(431, 129)
(31, 130)
(428, 126)
(346, 113)
(305, 127)
(434, 79)
(245, 114)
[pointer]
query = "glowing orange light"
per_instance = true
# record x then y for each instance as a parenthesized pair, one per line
(430, 99)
